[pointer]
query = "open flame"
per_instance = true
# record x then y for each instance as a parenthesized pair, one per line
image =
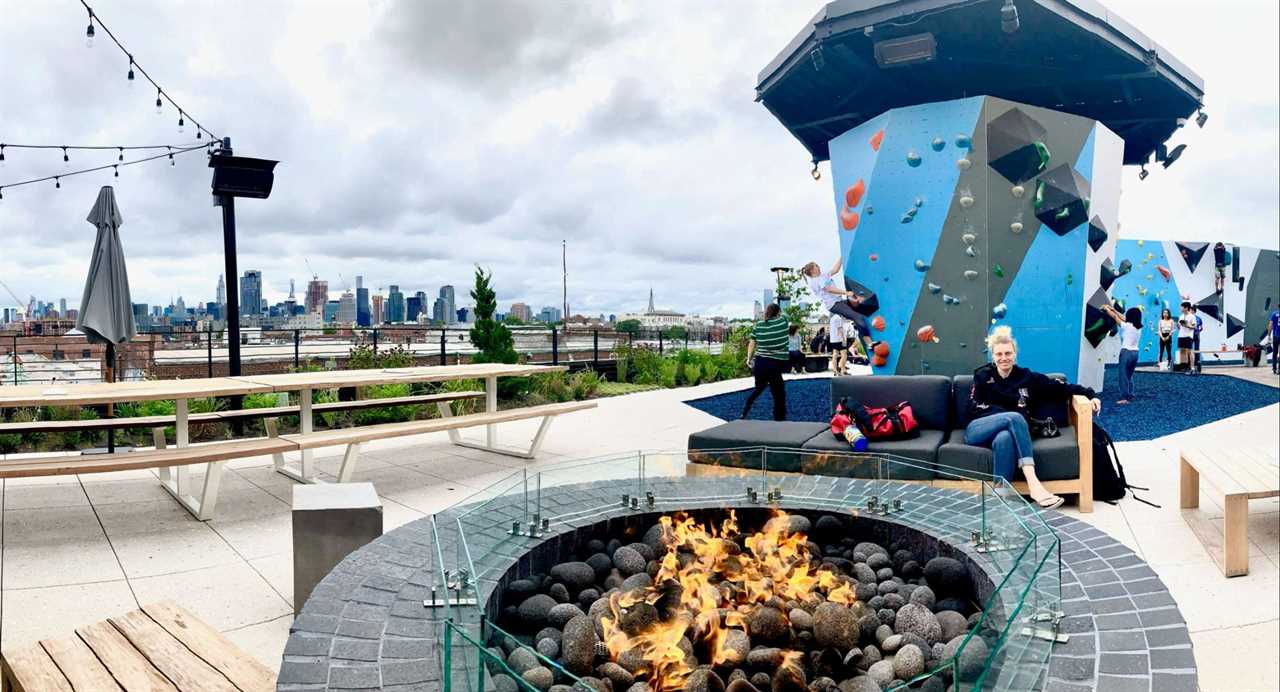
(715, 591)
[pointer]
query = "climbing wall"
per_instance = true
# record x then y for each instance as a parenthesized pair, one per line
(1164, 273)
(962, 214)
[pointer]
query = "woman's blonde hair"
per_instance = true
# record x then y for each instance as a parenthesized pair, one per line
(1001, 335)
(812, 265)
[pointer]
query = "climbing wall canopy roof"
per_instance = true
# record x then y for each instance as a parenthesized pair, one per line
(1069, 55)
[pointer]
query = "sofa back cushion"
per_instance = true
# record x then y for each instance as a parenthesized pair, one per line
(929, 395)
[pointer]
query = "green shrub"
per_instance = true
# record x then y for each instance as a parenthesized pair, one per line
(647, 366)
(462, 407)
(552, 386)
(585, 384)
(385, 414)
(667, 372)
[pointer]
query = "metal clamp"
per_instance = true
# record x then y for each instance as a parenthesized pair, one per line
(774, 495)
(650, 500)
(1053, 632)
(626, 500)
(752, 496)
(455, 593)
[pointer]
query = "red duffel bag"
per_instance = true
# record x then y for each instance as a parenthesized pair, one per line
(887, 423)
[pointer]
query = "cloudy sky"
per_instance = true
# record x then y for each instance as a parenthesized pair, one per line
(418, 138)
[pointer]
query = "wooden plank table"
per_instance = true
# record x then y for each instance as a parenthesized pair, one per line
(1241, 474)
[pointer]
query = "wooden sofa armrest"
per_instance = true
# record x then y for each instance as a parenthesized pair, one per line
(1080, 413)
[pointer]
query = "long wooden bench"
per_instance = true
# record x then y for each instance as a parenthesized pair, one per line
(160, 647)
(216, 453)
(1244, 474)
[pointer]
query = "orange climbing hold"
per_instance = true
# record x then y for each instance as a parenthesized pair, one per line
(925, 334)
(876, 139)
(873, 257)
(879, 361)
(882, 350)
(853, 196)
(848, 219)
(877, 323)
(1164, 271)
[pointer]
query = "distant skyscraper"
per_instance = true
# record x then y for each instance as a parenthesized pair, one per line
(758, 311)
(450, 309)
(437, 310)
(180, 310)
(550, 314)
(395, 305)
(464, 315)
(363, 314)
(375, 309)
(220, 293)
(768, 297)
(251, 293)
(412, 308)
(62, 308)
(521, 311)
(650, 299)
(347, 308)
(317, 295)
(330, 311)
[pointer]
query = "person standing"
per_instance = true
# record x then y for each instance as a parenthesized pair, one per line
(767, 358)
(1130, 334)
(1186, 330)
(1195, 337)
(1274, 324)
(1166, 327)
(795, 350)
(839, 349)
(1219, 266)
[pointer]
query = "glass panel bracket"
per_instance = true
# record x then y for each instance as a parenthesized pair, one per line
(988, 542)
(1051, 633)
(457, 585)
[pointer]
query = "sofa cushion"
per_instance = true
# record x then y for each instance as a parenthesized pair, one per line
(920, 452)
(716, 445)
(930, 395)
(1057, 458)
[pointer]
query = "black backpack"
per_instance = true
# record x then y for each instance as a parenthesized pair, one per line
(1109, 483)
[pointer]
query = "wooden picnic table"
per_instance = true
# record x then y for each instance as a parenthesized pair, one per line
(176, 479)
(1239, 474)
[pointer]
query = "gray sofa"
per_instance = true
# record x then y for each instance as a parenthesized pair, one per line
(939, 404)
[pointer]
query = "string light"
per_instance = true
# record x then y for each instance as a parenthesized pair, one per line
(88, 33)
(161, 95)
(57, 179)
(121, 156)
(1, 156)
(66, 160)
(171, 163)
(57, 182)
(117, 171)
(181, 123)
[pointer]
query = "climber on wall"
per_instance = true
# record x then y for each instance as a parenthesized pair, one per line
(839, 302)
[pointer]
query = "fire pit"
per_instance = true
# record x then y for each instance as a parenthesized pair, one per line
(625, 575)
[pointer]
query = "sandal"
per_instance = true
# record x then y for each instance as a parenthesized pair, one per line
(1051, 502)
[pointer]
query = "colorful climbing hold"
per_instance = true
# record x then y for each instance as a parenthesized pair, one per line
(1017, 191)
(882, 350)
(966, 201)
(877, 323)
(934, 288)
(925, 334)
(921, 266)
(968, 238)
(1016, 226)
(918, 202)
(938, 144)
(950, 299)
(848, 219)
(908, 218)
(998, 271)
(873, 257)
(1164, 271)
(964, 164)
(853, 195)
(869, 210)
(913, 158)
(1069, 279)
(970, 251)
(1141, 243)
(970, 274)
(879, 362)
(876, 139)
(963, 141)
(999, 311)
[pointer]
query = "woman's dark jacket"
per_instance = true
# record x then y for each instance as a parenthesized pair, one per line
(1023, 391)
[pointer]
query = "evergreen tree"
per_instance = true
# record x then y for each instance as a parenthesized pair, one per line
(489, 336)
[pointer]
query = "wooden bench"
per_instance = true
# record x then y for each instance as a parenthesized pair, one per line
(1243, 474)
(172, 462)
(160, 647)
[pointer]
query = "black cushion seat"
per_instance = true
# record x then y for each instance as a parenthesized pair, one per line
(1057, 458)
(717, 445)
(919, 452)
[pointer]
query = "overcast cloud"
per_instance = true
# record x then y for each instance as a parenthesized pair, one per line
(420, 138)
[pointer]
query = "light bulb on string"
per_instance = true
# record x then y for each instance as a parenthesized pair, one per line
(159, 103)
(171, 162)
(121, 156)
(66, 160)
(181, 123)
(131, 79)
(117, 170)
(1, 156)
(57, 182)
(88, 33)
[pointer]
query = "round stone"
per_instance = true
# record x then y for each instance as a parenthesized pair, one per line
(916, 619)
(540, 677)
(560, 615)
(883, 632)
(871, 655)
(923, 596)
(867, 626)
(911, 569)
(578, 649)
(894, 601)
(971, 658)
(953, 624)
(908, 662)
(836, 626)
(629, 561)
(503, 683)
(616, 674)
(534, 610)
(768, 625)
(601, 563)
(800, 619)
(703, 680)
(947, 577)
(521, 660)
(735, 646)
(881, 672)
(828, 525)
(865, 574)
(876, 603)
(959, 605)
(861, 683)
(761, 681)
(884, 573)
(577, 575)
(559, 592)
(887, 587)
(878, 561)
(587, 597)
(868, 548)
(891, 643)
(637, 618)
(598, 610)
(654, 539)
(766, 657)
(887, 616)
(865, 592)
(637, 581)
(631, 660)
(549, 648)
(519, 590)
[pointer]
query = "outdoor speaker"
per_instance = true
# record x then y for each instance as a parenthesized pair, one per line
(241, 176)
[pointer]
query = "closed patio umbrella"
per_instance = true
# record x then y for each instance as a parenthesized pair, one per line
(106, 310)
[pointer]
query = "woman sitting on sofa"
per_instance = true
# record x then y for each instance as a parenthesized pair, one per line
(1001, 398)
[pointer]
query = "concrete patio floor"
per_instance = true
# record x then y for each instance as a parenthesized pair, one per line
(79, 549)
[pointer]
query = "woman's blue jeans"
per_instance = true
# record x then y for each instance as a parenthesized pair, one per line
(1128, 362)
(1008, 437)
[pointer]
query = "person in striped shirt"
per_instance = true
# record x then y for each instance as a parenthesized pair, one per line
(767, 357)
